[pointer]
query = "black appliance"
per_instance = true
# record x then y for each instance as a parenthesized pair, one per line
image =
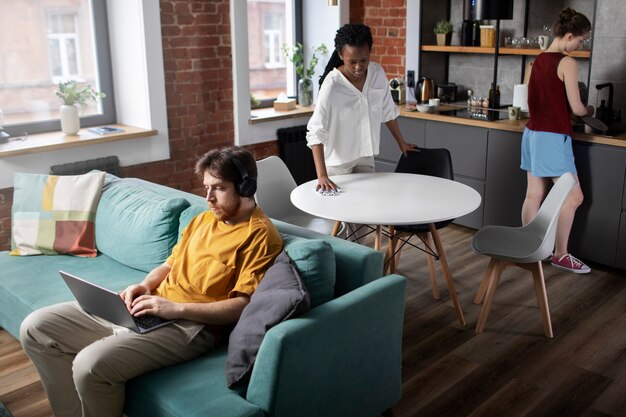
(476, 113)
(487, 9)
(446, 92)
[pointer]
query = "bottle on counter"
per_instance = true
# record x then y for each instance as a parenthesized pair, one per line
(494, 96)
(466, 33)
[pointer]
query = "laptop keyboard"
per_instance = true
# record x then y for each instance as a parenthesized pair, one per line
(147, 322)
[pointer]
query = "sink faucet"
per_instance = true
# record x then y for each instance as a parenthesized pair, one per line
(609, 108)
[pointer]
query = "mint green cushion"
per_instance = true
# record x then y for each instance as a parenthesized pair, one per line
(315, 261)
(135, 226)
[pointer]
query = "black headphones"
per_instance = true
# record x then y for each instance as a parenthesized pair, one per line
(247, 186)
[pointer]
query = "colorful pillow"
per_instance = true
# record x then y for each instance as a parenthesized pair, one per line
(280, 295)
(54, 215)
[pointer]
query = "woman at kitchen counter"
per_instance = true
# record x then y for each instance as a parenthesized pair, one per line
(354, 99)
(547, 140)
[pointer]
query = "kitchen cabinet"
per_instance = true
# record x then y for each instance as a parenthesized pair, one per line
(413, 131)
(506, 181)
(601, 171)
(620, 255)
(468, 149)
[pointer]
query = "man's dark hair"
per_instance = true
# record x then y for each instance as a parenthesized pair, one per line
(219, 163)
(355, 35)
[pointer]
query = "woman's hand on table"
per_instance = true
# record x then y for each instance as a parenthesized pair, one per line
(325, 184)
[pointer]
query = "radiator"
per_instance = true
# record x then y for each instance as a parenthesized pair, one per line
(110, 164)
(297, 156)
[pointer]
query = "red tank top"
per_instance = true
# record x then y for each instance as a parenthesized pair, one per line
(547, 100)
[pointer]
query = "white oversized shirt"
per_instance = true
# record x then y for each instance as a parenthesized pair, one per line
(347, 121)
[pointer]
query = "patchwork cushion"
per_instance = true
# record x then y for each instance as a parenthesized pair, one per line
(135, 226)
(280, 295)
(54, 215)
(315, 260)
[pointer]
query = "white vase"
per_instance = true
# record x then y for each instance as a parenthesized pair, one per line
(70, 122)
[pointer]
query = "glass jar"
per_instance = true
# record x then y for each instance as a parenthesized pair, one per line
(305, 92)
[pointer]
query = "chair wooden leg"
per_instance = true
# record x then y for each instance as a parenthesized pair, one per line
(446, 273)
(492, 285)
(336, 228)
(480, 294)
(377, 238)
(431, 266)
(542, 297)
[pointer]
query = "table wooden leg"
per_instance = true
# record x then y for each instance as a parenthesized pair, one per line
(336, 228)
(390, 261)
(446, 273)
(377, 239)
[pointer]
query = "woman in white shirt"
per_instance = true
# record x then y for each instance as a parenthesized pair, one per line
(354, 99)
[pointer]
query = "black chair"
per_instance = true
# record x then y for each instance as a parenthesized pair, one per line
(437, 163)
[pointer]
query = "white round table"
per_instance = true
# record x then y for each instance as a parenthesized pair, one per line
(388, 198)
(393, 199)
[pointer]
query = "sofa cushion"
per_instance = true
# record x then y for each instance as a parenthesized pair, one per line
(54, 215)
(135, 226)
(315, 260)
(280, 294)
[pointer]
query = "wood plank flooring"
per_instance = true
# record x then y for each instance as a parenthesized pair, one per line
(511, 369)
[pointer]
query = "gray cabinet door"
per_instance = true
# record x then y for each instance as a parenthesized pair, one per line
(412, 131)
(475, 218)
(506, 181)
(601, 172)
(620, 255)
(467, 145)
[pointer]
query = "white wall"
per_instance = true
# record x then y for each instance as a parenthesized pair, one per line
(135, 37)
(320, 23)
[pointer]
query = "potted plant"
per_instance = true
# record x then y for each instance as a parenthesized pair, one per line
(295, 54)
(444, 30)
(74, 95)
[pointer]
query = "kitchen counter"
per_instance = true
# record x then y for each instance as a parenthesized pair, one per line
(502, 124)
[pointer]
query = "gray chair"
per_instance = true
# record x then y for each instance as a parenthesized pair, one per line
(525, 247)
(274, 186)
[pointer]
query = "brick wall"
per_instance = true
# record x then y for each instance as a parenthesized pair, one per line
(387, 19)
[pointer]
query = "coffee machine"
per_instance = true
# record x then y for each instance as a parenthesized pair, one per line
(398, 90)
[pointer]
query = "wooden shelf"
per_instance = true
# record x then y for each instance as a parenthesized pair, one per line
(501, 51)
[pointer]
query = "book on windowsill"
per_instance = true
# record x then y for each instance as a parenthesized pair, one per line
(105, 130)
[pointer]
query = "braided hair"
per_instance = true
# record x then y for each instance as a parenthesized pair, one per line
(570, 21)
(355, 35)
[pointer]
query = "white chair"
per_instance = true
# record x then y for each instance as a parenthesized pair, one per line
(274, 186)
(525, 247)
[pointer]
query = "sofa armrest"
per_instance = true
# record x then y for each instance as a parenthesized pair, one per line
(341, 358)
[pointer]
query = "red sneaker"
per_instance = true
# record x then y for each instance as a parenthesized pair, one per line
(570, 263)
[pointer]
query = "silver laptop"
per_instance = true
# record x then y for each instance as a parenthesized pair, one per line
(109, 305)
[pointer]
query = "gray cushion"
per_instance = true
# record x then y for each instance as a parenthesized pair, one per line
(280, 294)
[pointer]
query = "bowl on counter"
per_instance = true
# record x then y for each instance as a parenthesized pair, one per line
(426, 108)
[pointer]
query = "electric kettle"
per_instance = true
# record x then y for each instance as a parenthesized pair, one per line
(425, 90)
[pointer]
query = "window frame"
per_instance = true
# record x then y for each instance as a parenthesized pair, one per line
(105, 83)
(298, 36)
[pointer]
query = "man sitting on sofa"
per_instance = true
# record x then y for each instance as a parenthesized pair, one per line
(84, 361)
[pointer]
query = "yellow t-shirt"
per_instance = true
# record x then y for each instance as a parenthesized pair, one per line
(214, 260)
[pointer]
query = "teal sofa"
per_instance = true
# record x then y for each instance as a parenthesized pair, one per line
(341, 358)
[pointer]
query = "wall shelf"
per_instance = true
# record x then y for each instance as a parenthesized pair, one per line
(501, 51)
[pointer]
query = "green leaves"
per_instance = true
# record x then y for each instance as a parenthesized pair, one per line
(71, 93)
(295, 54)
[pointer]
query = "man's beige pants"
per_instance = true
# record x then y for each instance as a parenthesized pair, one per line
(84, 361)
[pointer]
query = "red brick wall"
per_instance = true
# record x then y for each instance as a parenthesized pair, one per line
(387, 19)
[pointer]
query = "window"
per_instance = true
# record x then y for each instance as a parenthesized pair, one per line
(270, 26)
(43, 43)
(63, 50)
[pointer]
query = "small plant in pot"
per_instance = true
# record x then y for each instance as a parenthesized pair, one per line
(295, 54)
(73, 96)
(444, 30)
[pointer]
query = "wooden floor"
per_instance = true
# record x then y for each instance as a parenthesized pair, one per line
(510, 370)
